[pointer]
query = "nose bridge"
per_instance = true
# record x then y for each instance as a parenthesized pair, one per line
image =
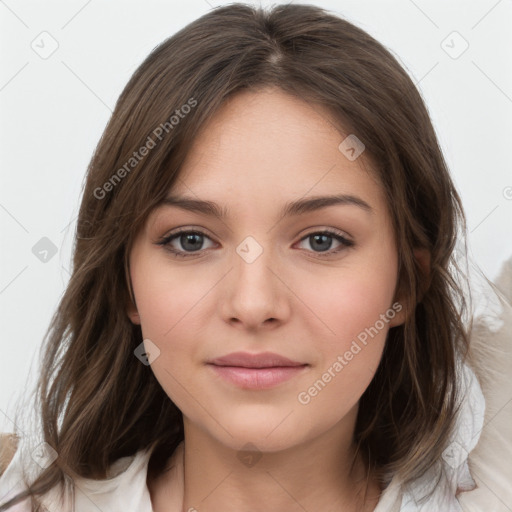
(250, 250)
(252, 262)
(255, 293)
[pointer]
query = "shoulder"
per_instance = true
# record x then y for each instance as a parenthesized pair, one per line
(124, 489)
(491, 358)
(8, 446)
(11, 472)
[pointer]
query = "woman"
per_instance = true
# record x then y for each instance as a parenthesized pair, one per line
(265, 136)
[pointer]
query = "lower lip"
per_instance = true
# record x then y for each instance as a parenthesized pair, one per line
(257, 378)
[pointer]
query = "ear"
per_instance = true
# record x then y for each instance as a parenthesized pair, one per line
(131, 307)
(422, 257)
(133, 314)
(399, 314)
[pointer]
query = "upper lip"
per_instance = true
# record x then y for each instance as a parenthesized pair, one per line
(248, 360)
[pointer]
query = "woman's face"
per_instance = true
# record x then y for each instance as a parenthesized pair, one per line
(263, 278)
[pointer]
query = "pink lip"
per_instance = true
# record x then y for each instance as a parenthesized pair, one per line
(257, 378)
(256, 371)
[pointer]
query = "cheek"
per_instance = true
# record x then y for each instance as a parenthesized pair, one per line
(174, 307)
(166, 298)
(352, 315)
(348, 359)
(349, 302)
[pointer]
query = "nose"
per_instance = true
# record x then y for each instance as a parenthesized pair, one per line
(254, 294)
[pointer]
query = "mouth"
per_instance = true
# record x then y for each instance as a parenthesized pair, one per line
(257, 378)
(256, 371)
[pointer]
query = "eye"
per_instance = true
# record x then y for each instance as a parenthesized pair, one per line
(322, 241)
(191, 242)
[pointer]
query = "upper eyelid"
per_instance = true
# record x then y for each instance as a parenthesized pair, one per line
(202, 231)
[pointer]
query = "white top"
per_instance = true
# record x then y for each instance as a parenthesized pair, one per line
(127, 490)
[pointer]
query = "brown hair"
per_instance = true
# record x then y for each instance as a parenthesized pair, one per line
(96, 401)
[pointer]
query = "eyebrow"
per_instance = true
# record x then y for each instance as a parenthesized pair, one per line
(293, 208)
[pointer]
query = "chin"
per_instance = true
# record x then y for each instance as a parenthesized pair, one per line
(267, 434)
(261, 443)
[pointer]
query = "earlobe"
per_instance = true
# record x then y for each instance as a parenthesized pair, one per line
(399, 314)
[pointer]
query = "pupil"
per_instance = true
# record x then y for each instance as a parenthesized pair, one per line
(315, 237)
(189, 239)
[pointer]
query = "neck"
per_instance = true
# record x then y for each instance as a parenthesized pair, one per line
(293, 479)
(322, 474)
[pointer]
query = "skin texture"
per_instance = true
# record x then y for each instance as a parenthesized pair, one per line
(261, 150)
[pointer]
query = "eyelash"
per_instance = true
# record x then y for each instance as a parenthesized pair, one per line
(165, 242)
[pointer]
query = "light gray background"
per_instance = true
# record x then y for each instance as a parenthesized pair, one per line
(54, 109)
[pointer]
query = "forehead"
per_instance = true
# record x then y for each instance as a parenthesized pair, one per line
(273, 146)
